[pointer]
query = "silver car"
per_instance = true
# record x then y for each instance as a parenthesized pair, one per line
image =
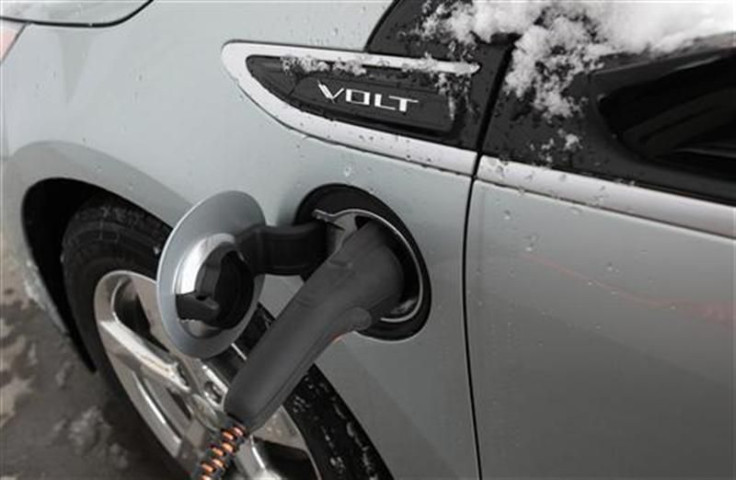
(569, 308)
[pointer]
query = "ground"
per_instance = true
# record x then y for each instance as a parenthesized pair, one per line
(58, 420)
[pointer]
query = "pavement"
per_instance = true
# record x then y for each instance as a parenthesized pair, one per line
(58, 420)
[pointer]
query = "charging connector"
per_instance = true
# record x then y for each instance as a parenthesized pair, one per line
(351, 290)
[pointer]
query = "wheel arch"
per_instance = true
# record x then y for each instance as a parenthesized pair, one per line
(44, 184)
(46, 210)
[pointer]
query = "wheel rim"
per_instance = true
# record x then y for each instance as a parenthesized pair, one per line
(181, 398)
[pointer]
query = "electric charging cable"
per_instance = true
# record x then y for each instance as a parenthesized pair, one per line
(350, 291)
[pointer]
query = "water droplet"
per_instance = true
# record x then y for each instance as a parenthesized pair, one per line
(506, 215)
(531, 242)
(347, 171)
(576, 210)
(610, 268)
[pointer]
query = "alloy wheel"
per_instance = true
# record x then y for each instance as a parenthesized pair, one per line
(181, 398)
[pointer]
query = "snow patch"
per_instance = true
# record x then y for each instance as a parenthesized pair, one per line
(56, 431)
(352, 67)
(118, 456)
(572, 142)
(90, 434)
(62, 375)
(5, 329)
(452, 91)
(32, 285)
(16, 386)
(453, 87)
(87, 431)
(545, 151)
(561, 39)
(305, 64)
(13, 391)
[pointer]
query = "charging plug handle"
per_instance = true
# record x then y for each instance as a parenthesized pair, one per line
(351, 290)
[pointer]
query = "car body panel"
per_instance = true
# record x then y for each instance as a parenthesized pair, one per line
(601, 343)
(98, 109)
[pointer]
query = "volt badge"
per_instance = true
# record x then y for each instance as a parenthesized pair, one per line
(366, 98)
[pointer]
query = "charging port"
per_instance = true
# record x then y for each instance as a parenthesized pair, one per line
(346, 209)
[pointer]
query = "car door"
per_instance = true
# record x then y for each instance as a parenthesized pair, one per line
(600, 277)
